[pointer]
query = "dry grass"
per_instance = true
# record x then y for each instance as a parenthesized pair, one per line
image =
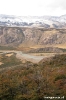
(1, 63)
(63, 46)
(8, 55)
(43, 54)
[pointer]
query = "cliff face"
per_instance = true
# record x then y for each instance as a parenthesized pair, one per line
(29, 36)
(11, 35)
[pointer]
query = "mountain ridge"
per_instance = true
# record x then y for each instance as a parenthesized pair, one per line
(31, 36)
(33, 21)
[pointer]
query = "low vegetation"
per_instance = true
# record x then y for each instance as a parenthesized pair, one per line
(9, 61)
(33, 81)
(7, 48)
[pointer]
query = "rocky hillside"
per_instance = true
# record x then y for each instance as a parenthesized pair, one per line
(31, 36)
(47, 50)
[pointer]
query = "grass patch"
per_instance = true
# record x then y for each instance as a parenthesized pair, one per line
(7, 48)
(9, 61)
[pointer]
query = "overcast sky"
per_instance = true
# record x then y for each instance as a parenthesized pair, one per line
(33, 7)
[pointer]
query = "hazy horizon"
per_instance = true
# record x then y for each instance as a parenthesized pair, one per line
(31, 15)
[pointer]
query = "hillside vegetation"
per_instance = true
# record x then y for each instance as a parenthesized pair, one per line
(29, 81)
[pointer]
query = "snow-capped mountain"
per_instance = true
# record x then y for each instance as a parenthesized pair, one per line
(34, 21)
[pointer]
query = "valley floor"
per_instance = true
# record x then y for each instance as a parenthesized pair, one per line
(33, 57)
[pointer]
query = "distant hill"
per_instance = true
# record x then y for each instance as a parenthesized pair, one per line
(34, 21)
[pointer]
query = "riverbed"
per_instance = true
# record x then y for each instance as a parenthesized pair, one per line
(24, 56)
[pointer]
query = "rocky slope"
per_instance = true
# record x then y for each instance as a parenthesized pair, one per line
(31, 36)
(47, 50)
